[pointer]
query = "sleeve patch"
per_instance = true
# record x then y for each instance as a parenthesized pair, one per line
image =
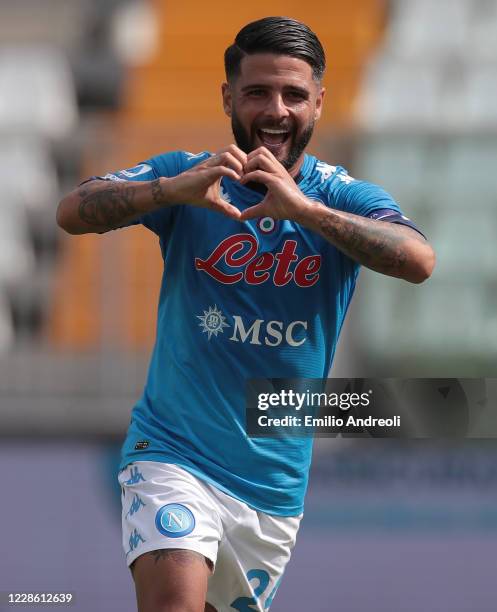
(392, 216)
(136, 171)
(111, 177)
(387, 214)
(191, 156)
(123, 175)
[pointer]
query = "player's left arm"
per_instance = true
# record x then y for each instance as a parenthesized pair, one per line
(389, 248)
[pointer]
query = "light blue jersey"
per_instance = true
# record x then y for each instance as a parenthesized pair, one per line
(258, 299)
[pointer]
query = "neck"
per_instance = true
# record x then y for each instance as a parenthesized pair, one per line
(294, 171)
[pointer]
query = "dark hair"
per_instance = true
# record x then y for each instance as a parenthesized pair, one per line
(279, 35)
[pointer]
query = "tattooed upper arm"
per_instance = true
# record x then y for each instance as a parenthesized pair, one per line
(177, 555)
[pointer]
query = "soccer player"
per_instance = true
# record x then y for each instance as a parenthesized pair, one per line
(262, 246)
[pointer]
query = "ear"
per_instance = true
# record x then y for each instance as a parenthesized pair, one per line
(227, 98)
(319, 104)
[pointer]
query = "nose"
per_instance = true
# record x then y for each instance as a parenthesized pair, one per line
(276, 107)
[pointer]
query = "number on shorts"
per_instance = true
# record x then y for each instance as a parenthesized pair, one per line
(270, 598)
(243, 604)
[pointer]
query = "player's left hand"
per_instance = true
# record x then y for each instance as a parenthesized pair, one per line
(283, 200)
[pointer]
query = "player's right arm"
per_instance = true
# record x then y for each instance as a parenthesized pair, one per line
(100, 205)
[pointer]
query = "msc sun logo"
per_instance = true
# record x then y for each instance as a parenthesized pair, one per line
(212, 321)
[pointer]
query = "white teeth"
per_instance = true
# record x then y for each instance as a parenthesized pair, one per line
(268, 131)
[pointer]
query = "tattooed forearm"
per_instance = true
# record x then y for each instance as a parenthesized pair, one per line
(383, 247)
(157, 193)
(100, 205)
(107, 208)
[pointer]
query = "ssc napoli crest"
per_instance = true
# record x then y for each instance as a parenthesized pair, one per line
(266, 225)
(174, 520)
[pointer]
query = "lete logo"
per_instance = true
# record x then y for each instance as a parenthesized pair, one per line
(240, 251)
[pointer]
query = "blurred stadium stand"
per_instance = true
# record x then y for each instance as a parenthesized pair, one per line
(44, 104)
(428, 123)
(90, 86)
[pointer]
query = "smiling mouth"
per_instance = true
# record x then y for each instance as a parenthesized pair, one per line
(273, 138)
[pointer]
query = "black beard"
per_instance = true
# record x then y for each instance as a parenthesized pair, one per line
(299, 144)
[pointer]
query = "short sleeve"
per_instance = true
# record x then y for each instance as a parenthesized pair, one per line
(345, 193)
(359, 197)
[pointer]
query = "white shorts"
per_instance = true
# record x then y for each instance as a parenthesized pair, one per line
(164, 506)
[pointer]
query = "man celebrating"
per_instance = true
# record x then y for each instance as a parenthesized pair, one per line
(210, 515)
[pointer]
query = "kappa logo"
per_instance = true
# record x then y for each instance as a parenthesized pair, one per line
(240, 255)
(135, 476)
(134, 540)
(258, 332)
(174, 520)
(326, 170)
(136, 504)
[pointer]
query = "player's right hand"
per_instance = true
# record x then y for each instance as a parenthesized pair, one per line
(200, 186)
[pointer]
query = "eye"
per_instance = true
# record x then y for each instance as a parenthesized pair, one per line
(296, 95)
(256, 93)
